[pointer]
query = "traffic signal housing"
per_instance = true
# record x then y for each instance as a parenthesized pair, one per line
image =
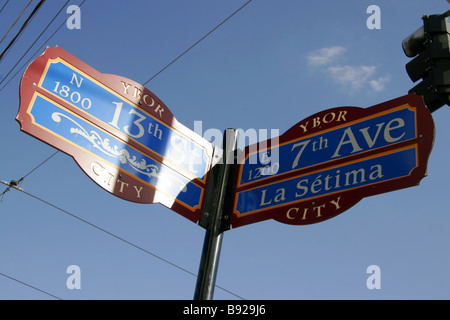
(430, 46)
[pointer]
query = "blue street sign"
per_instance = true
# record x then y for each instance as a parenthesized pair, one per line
(370, 171)
(328, 162)
(90, 96)
(374, 132)
(115, 152)
(120, 134)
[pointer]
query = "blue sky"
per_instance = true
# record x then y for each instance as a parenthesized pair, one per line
(270, 66)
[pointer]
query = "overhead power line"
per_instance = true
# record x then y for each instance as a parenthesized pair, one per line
(14, 23)
(11, 43)
(4, 6)
(29, 48)
(201, 39)
(37, 51)
(35, 168)
(15, 183)
(121, 239)
(29, 285)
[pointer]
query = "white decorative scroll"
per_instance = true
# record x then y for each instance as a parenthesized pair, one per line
(124, 156)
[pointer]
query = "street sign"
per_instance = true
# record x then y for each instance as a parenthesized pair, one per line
(120, 134)
(330, 161)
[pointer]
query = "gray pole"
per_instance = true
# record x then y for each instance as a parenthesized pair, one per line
(214, 218)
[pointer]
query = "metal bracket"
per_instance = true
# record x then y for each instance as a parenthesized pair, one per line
(12, 184)
(221, 185)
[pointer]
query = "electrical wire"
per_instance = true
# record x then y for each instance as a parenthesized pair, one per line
(35, 168)
(29, 48)
(201, 39)
(122, 239)
(29, 285)
(36, 52)
(18, 182)
(14, 23)
(4, 6)
(11, 43)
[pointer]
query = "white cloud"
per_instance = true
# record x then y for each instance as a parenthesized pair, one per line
(324, 56)
(379, 84)
(349, 77)
(353, 77)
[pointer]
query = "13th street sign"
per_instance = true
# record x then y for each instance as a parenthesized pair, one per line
(331, 160)
(120, 134)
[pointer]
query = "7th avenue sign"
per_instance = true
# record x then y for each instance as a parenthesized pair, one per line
(331, 160)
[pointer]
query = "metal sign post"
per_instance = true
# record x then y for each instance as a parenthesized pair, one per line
(216, 215)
